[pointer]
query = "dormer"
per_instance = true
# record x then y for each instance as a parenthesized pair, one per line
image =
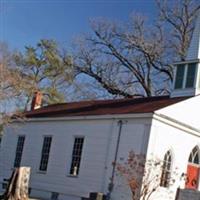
(187, 73)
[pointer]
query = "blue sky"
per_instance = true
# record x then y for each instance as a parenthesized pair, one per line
(24, 22)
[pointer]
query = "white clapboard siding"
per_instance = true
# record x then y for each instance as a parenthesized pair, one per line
(97, 156)
(165, 137)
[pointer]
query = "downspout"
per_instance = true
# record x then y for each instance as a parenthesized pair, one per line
(111, 184)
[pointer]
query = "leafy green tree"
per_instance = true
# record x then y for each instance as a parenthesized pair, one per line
(45, 68)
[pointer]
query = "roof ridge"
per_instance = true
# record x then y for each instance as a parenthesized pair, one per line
(104, 100)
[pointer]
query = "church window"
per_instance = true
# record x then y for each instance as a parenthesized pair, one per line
(76, 155)
(195, 156)
(45, 153)
(19, 150)
(179, 76)
(54, 196)
(191, 71)
(166, 170)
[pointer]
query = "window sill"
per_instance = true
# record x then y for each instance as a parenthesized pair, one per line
(72, 176)
(41, 172)
(164, 188)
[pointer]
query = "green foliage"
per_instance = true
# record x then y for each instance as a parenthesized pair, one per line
(45, 68)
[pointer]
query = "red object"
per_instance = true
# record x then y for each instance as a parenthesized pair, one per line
(192, 177)
(37, 101)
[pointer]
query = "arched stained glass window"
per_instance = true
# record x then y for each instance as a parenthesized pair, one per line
(166, 170)
(195, 156)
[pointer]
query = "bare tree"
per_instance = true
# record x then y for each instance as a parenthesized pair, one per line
(117, 60)
(11, 85)
(143, 176)
(179, 18)
(126, 59)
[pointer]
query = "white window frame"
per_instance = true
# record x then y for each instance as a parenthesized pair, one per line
(73, 174)
(185, 77)
(163, 182)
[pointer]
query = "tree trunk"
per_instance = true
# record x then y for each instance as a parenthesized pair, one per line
(18, 185)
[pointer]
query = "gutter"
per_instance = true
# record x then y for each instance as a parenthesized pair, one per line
(90, 117)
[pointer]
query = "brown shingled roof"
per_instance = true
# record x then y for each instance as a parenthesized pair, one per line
(105, 107)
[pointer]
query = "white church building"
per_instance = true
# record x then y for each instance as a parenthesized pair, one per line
(71, 147)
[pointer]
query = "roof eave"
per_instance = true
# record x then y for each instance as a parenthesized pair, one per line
(187, 62)
(89, 117)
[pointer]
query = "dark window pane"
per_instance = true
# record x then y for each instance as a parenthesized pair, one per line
(76, 156)
(166, 170)
(45, 153)
(195, 156)
(191, 75)
(179, 76)
(54, 196)
(19, 150)
(196, 159)
(190, 158)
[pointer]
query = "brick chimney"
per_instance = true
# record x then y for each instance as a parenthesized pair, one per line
(37, 101)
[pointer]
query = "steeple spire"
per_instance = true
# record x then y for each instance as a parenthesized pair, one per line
(194, 48)
(187, 73)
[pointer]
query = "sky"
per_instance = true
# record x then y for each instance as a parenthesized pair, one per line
(25, 22)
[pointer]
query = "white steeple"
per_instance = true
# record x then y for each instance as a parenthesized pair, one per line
(187, 73)
(194, 49)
